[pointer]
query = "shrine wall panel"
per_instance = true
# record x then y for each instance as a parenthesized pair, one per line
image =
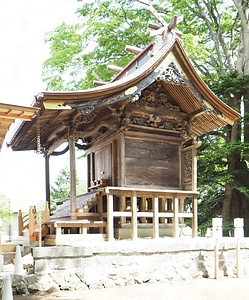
(152, 164)
(103, 163)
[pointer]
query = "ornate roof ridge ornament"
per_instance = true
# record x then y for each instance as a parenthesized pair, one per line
(171, 74)
(164, 32)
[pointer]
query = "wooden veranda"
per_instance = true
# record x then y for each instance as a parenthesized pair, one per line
(127, 212)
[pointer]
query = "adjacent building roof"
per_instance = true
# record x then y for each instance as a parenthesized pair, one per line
(164, 63)
(9, 113)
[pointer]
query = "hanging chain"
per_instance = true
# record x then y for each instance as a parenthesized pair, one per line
(38, 134)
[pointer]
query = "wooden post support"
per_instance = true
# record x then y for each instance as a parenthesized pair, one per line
(110, 222)
(47, 213)
(20, 223)
(121, 160)
(238, 259)
(122, 207)
(72, 177)
(181, 209)
(100, 211)
(176, 217)
(143, 209)
(155, 218)
(31, 220)
(1, 248)
(195, 217)
(134, 230)
(162, 209)
(40, 229)
(216, 259)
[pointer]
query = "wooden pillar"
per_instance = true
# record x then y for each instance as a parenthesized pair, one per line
(20, 223)
(143, 209)
(110, 221)
(1, 248)
(100, 211)
(162, 209)
(134, 230)
(176, 218)
(122, 206)
(155, 218)
(47, 213)
(195, 217)
(72, 177)
(32, 211)
(181, 208)
(100, 206)
(121, 161)
(47, 178)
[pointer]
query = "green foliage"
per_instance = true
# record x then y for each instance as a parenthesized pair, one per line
(65, 46)
(232, 83)
(80, 50)
(4, 208)
(60, 191)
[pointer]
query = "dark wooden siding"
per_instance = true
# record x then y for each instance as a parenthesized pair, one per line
(103, 163)
(151, 164)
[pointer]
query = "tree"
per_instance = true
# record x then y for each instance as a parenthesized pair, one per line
(4, 208)
(106, 28)
(60, 191)
(223, 27)
(216, 39)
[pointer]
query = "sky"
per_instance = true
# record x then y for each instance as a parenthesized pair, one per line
(23, 24)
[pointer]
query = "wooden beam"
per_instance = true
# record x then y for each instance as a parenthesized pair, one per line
(73, 197)
(134, 230)
(155, 218)
(153, 25)
(114, 68)
(176, 217)
(121, 160)
(143, 209)
(6, 121)
(122, 207)
(110, 222)
(195, 217)
(133, 49)
(97, 82)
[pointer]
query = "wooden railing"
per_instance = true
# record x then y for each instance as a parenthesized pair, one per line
(33, 222)
(139, 206)
(176, 214)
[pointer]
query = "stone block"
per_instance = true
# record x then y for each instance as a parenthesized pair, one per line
(81, 286)
(31, 279)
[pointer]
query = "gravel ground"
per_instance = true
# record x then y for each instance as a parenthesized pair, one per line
(205, 289)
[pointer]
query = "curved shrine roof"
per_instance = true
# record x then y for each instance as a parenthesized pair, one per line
(163, 62)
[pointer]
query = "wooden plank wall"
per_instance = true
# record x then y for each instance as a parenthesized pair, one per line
(151, 163)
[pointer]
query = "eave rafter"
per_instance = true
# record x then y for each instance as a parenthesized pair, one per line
(9, 113)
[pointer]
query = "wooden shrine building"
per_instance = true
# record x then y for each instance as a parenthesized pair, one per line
(139, 133)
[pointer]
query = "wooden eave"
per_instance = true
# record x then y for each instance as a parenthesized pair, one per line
(96, 96)
(201, 87)
(206, 112)
(9, 113)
